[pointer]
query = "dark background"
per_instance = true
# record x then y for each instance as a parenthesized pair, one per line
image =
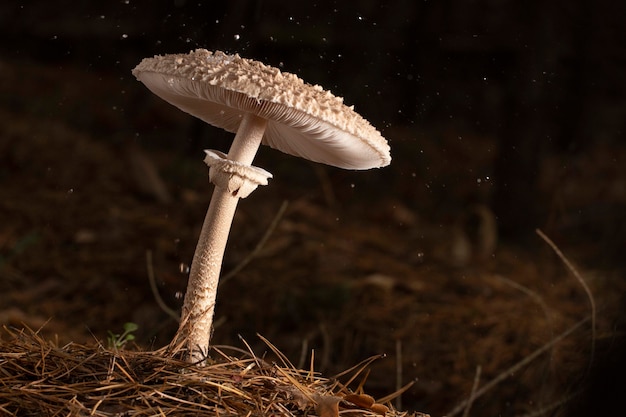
(516, 107)
(539, 77)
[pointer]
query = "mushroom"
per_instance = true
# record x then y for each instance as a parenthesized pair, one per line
(260, 104)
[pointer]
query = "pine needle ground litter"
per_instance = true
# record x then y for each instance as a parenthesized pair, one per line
(39, 377)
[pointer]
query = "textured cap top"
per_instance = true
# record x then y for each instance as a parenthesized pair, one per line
(303, 120)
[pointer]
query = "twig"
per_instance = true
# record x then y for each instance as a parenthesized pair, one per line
(398, 373)
(536, 297)
(303, 352)
(311, 374)
(258, 246)
(551, 406)
(519, 365)
(283, 358)
(396, 394)
(250, 350)
(583, 284)
(155, 291)
(470, 400)
(357, 369)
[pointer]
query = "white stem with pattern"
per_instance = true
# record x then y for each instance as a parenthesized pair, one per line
(196, 323)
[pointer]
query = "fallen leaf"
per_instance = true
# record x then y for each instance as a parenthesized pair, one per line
(327, 405)
(360, 400)
(379, 409)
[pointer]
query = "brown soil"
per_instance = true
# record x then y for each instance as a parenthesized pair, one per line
(361, 263)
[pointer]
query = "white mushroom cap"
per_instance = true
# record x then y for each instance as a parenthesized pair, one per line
(303, 120)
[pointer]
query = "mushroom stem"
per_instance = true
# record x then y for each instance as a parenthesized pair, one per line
(196, 322)
(248, 139)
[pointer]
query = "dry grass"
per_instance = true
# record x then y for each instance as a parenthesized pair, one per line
(41, 378)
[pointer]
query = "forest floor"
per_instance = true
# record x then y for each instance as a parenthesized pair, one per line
(354, 267)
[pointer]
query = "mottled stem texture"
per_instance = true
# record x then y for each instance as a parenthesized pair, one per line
(196, 325)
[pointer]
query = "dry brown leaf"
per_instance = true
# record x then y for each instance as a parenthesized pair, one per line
(327, 405)
(360, 400)
(379, 409)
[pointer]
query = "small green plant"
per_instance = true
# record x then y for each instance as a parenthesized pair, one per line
(117, 341)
